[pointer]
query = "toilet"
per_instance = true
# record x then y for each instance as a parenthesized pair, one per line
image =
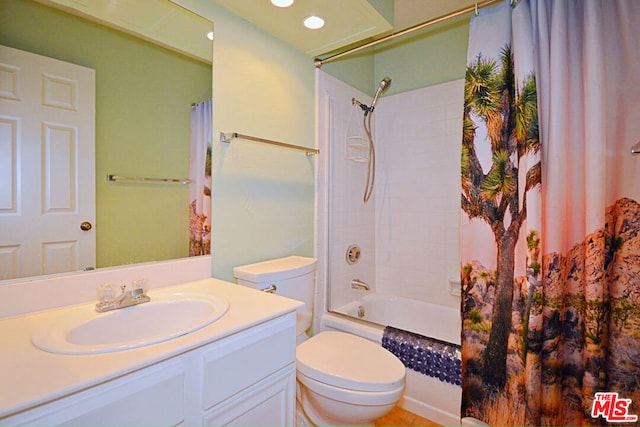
(342, 379)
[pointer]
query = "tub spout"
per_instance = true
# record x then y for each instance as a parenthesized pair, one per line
(359, 284)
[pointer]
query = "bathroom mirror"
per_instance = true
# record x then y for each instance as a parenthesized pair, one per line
(145, 87)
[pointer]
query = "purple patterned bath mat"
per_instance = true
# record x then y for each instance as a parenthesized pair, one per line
(429, 356)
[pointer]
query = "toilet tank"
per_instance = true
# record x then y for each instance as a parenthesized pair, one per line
(293, 276)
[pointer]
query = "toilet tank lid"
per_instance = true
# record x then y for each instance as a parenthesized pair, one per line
(275, 269)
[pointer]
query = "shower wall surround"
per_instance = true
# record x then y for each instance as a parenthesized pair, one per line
(409, 230)
(343, 219)
(418, 136)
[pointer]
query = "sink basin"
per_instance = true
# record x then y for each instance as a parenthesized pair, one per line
(82, 330)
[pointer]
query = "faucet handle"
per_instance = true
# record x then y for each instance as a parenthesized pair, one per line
(105, 293)
(140, 285)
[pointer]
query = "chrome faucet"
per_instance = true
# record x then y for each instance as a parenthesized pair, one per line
(359, 284)
(135, 296)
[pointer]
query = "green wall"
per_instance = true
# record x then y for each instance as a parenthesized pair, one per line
(357, 70)
(263, 195)
(433, 55)
(143, 101)
(430, 56)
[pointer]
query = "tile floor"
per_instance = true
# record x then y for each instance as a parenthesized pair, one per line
(398, 417)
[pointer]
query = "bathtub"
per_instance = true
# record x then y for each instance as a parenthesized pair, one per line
(424, 395)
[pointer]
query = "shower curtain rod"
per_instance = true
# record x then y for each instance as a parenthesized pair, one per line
(319, 62)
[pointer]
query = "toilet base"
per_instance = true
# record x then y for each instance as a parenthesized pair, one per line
(319, 410)
(301, 418)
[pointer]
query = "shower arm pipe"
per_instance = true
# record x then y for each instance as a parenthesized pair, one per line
(319, 62)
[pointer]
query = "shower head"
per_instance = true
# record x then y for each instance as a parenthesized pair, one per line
(382, 87)
(384, 84)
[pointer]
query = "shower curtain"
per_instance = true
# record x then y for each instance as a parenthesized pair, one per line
(550, 215)
(200, 175)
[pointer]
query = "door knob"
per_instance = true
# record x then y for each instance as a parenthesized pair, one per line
(85, 226)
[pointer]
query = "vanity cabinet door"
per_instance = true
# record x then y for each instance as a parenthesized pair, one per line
(267, 403)
(152, 397)
(246, 358)
(250, 378)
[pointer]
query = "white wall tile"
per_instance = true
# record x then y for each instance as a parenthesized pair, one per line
(422, 184)
(409, 230)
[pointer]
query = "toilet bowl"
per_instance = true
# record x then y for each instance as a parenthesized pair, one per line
(346, 380)
(342, 379)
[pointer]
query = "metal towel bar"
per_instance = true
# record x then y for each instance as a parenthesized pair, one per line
(227, 137)
(114, 178)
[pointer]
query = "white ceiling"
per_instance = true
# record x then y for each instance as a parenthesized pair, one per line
(347, 21)
(158, 21)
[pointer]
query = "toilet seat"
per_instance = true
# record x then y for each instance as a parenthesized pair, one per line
(350, 362)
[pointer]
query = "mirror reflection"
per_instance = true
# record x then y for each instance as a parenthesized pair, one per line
(143, 98)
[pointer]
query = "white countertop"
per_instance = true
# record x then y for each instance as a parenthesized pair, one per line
(30, 377)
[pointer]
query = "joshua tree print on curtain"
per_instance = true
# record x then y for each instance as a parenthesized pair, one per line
(551, 323)
(501, 175)
(496, 197)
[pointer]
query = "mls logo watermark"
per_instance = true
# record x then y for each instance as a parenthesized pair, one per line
(612, 408)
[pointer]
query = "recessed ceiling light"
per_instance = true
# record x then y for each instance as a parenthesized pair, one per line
(210, 35)
(314, 22)
(282, 3)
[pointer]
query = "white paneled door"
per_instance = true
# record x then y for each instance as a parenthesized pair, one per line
(47, 166)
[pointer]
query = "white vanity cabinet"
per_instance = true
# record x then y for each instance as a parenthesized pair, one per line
(258, 371)
(244, 378)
